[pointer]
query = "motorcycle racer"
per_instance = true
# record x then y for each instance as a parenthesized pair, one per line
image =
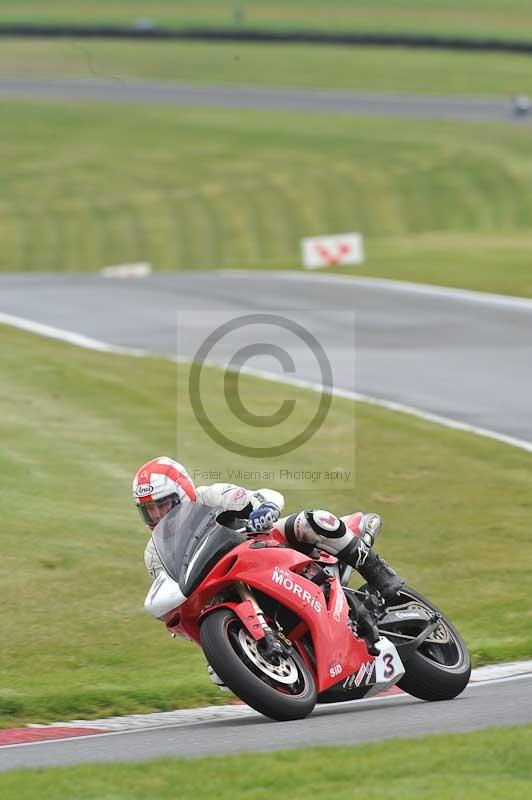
(162, 483)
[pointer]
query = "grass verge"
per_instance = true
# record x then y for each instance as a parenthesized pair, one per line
(486, 764)
(76, 425)
(90, 185)
(366, 69)
(482, 263)
(474, 18)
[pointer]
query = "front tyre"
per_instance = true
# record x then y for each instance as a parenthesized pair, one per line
(282, 691)
(440, 668)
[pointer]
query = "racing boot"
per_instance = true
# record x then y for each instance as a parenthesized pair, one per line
(372, 567)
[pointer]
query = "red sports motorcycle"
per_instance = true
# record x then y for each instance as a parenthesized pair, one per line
(284, 631)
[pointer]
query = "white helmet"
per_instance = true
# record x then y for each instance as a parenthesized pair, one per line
(160, 485)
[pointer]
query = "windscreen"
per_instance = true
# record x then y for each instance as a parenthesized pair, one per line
(189, 542)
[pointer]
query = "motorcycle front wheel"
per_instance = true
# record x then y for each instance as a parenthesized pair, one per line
(283, 690)
(440, 668)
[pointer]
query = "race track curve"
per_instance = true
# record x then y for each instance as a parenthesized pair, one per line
(464, 356)
(455, 355)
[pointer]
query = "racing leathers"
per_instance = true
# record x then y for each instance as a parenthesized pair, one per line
(350, 538)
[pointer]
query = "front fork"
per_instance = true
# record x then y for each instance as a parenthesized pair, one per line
(247, 595)
(270, 645)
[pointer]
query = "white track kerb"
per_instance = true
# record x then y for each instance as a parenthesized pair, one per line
(482, 676)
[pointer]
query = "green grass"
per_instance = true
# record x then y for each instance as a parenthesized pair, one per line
(365, 69)
(77, 424)
(486, 263)
(477, 766)
(501, 18)
(89, 185)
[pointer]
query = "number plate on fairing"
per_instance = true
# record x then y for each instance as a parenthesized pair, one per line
(380, 673)
(388, 667)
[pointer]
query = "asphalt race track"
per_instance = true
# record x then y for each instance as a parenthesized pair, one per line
(466, 359)
(498, 704)
(297, 100)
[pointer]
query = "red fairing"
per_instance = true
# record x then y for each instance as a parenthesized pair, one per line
(275, 570)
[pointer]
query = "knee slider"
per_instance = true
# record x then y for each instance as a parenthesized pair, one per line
(325, 524)
(313, 527)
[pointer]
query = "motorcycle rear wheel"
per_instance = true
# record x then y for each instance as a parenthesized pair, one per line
(283, 691)
(440, 668)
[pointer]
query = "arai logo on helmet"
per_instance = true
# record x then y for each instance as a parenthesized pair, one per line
(144, 489)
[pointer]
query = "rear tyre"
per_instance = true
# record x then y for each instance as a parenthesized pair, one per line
(440, 668)
(282, 691)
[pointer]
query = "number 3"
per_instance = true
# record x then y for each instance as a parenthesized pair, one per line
(389, 667)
